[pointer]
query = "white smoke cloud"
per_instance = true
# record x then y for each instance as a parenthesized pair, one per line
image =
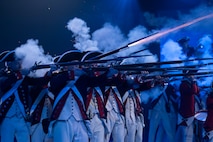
(204, 50)
(205, 46)
(202, 43)
(133, 35)
(171, 51)
(81, 34)
(31, 53)
(109, 37)
(194, 31)
(168, 22)
(152, 94)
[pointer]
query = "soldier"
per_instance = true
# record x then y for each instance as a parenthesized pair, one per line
(162, 116)
(95, 107)
(67, 119)
(2, 56)
(134, 119)
(188, 90)
(208, 124)
(41, 108)
(114, 91)
(15, 105)
(2, 77)
(40, 111)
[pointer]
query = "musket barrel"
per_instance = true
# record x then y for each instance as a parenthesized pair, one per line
(121, 48)
(170, 62)
(87, 62)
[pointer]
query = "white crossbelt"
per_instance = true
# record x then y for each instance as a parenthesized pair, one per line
(62, 92)
(38, 99)
(11, 91)
(78, 94)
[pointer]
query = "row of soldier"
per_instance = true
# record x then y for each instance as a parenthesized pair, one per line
(74, 105)
(69, 105)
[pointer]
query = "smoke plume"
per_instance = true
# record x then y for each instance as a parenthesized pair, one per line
(81, 34)
(31, 53)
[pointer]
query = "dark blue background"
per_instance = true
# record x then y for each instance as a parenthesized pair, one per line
(45, 20)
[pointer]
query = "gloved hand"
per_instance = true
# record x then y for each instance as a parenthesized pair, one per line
(53, 68)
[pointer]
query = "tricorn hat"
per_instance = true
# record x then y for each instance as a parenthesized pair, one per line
(70, 56)
(3, 54)
(89, 55)
(55, 59)
(8, 56)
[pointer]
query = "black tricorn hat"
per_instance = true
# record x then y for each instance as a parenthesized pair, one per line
(70, 56)
(8, 56)
(89, 55)
(3, 54)
(55, 59)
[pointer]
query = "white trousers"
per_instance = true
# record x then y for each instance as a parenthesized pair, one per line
(161, 126)
(139, 128)
(185, 133)
(96, 130)
(15, 127)
(115, 125)
(210, 140)
(134, 130)
(131, 132)
(69, 130)
(37, 133)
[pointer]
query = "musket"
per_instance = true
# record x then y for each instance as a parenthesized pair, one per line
(87, 62)
(197, 65)
(181, 74)
(146, 78)
(122, 58)
(121, 48)
(138, 51)
(155, 35)
(149, 64)
(138, 70)
(196, 76)
(156, 69)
